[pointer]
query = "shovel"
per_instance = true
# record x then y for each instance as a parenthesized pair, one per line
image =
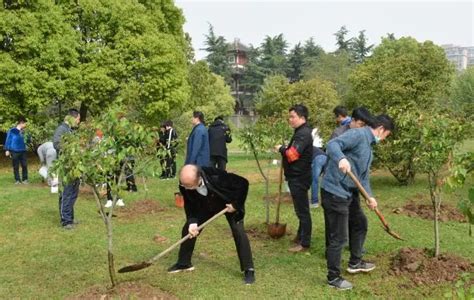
(277, 230)
(146, 264)
(377, 212)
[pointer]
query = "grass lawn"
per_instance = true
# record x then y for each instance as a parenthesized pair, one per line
(41, 260)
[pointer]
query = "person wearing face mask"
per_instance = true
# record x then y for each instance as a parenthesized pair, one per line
(351, 151)
(206, 192)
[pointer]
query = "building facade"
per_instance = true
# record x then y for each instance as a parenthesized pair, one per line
(461, 57)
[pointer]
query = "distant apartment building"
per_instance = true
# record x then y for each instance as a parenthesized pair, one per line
(461, 57)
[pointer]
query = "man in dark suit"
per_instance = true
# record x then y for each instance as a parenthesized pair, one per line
(206, 192)
(219, 136)
(197, 150)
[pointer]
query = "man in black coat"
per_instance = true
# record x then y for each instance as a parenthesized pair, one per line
(206, 192)
(219, 136)
(297, 158)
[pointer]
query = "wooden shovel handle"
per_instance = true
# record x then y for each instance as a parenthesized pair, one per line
(359, 186)
(188, 236)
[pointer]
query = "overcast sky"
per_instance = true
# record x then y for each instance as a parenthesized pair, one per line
(443, 22)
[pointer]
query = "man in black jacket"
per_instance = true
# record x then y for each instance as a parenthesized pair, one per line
(297, 158)
(219, 136)
(206, 192)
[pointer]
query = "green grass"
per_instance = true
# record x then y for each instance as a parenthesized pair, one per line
(40, 260)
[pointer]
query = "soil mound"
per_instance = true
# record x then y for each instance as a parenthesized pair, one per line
(423, 269)
(425, 211)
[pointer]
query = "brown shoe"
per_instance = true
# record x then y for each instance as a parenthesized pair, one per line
(298, 248)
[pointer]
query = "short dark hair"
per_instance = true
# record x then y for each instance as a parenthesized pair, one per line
(21, 119)
(199, 115)
(385, 121)
(340, 111)
(168, 123)
(300, 110)
(73, 112)
(362, 114)
(219, 118)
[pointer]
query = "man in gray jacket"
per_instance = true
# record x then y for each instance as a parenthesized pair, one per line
(68, 196)
(47, 155)
(352, 151)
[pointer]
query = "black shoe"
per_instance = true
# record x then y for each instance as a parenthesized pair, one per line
(249, 276)
(362, 266)
(340, 284)
(180, 268)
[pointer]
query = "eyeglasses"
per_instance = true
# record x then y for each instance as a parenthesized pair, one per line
(193, 187)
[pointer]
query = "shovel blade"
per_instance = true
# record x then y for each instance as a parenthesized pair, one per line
(135, 267)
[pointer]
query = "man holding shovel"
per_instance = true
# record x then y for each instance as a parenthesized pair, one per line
(297, 158)
(207, 191)
(352, 151)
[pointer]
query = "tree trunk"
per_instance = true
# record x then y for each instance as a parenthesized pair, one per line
(267, 204)
(110, 252)
(436, 229)
(436, 202)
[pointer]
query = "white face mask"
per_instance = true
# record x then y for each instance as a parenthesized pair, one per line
(202, 189)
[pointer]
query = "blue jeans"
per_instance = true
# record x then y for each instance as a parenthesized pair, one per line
(66, 202)
(318, 164)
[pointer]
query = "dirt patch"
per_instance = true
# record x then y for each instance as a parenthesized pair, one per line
(258, 232)
(160, 239)
(138, 208)
(423, 269)
(285, 197)
(425, 211)
(124, 290)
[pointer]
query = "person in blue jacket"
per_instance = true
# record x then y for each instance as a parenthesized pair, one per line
(15, 148)
(197, 150)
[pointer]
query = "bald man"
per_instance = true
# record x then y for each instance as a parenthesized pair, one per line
(207, 191)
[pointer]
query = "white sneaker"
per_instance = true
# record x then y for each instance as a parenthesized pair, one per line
(120, 202)
(108, 204)
(314, 205)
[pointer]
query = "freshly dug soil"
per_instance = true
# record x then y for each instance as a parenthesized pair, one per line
(423, 269)
(138, 208)
(425, 211)
(124, 290)
(160, 239)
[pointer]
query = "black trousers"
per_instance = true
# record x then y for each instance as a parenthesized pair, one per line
(218, 162)
(170, 166)
(241, 240)
(340, 216)
(299, 192)
(19, 158)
